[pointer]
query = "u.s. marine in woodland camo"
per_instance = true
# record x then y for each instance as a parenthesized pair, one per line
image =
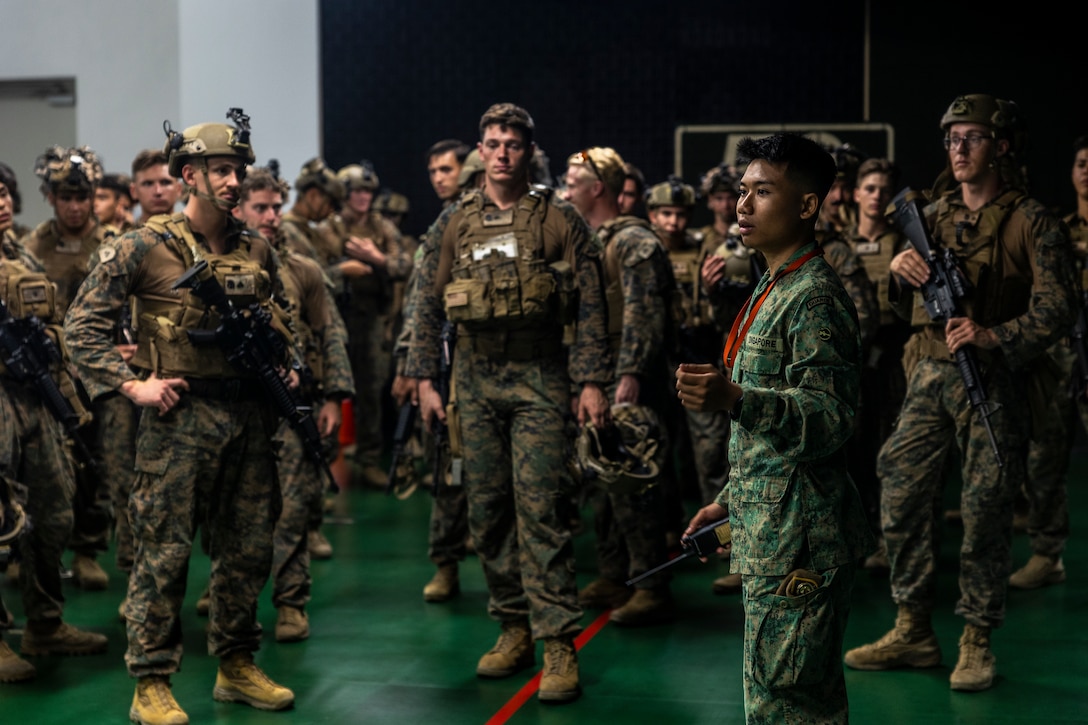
(1017, 259)
(513, 266)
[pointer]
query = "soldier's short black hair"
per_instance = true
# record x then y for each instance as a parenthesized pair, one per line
(1080, 143)
(808, 163)
(7, 178)
(459, 148)
(630, 171)
(119, 184)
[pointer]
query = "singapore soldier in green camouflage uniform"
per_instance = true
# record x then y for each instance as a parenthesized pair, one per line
(1018, 261)
(323, 343)
(798, 525)
(798, 528)
(204, 453)
(65, 244)
(514, 266)
(38, 469)
(638, 285)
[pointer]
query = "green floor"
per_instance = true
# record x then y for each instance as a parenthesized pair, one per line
(379, 654)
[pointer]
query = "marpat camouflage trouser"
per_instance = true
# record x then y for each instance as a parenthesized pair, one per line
(33, 453)
(302, 486)
(210, 463)
(936, 415)
(514, 475)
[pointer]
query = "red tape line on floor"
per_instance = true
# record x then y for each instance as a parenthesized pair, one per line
(507, 711)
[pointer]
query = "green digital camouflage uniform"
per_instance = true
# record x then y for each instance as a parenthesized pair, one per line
(33, 454)
(302, 484)
(209, 461)
(638, 282)
(370, 298)
(1030, 307)
(66, 263)
(791, 502)
(883, 384)
(512, 403)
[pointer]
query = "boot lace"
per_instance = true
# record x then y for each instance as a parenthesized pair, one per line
(559, 657)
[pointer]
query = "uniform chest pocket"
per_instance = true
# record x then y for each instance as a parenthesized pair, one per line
(760, 364)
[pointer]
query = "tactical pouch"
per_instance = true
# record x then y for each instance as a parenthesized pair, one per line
(31, 294)
(467, 301)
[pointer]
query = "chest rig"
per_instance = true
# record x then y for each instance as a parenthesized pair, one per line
(505, 296)
(613, 291)
(163, 343)
(690, 307)
(1000, 275)
(309, 343)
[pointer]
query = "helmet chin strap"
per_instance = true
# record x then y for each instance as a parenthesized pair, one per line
(221, 204)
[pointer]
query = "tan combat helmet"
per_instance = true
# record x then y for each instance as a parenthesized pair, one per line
(316, 173)
(72, 169)
(673, 192)
(390, 202)
(359, 176)
(473, 165)
(1004, 119)
(723, 177)
(621, 457)
(196, 144)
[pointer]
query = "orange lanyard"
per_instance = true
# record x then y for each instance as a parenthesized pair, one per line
(737, 334)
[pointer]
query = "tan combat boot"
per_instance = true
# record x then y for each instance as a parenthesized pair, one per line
(154, 703)
(1040, 571)
(645, 608)
(604, 593)
(911, 643)
(975, 668)
(368, 474)
(61, 640)
(13, 668)
(204, 602)
(728, 584)
(319, 546)
(239, 680)
(88, 574)
(292, 625)
(559, 678)
(513, 652)
(444, 585)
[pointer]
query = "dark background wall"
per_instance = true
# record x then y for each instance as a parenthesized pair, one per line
(399, 76)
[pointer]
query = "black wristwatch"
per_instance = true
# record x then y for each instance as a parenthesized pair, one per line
(734, 414)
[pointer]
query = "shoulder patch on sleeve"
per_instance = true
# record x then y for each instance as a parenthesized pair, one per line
(817, 301)
(106, 252)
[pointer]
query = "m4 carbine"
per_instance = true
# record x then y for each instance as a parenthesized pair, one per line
(253, 346)
(941, 294)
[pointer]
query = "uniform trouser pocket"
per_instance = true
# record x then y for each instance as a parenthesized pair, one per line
(793, 637)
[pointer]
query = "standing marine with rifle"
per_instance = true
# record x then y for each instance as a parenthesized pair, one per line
(1019, 298)
(325, 382)
(33, 458)
(204, 452)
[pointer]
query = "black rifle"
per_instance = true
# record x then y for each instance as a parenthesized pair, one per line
(406, 423)
(447, 341)
(702, 543)
(28, 353)
(941, 294)
(253, 346)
